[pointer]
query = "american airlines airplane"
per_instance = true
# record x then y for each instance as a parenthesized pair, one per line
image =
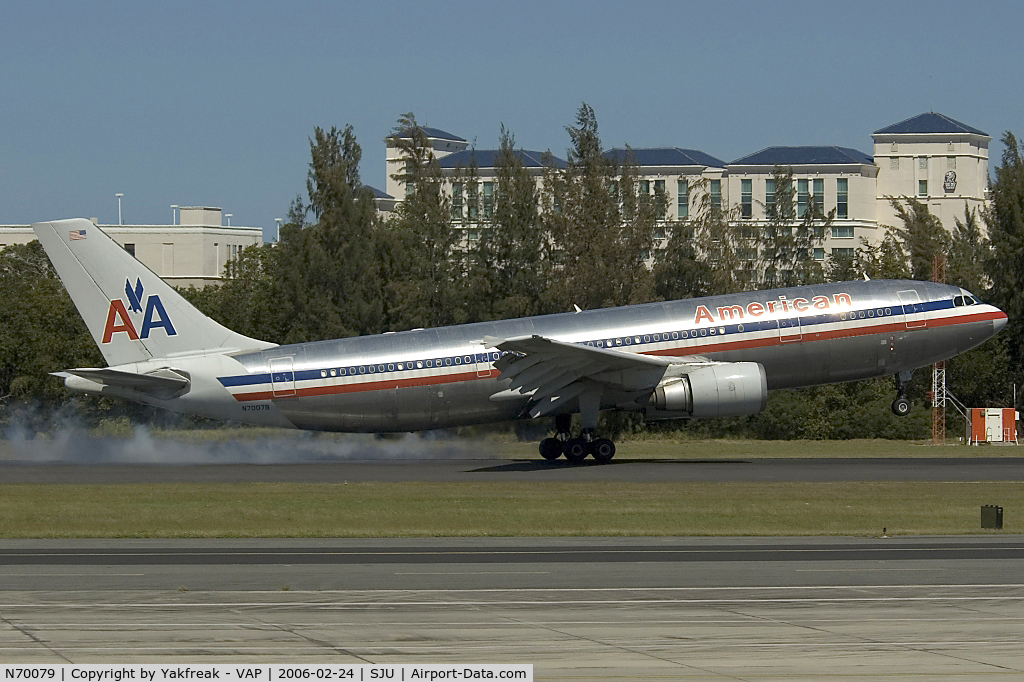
(705, 357)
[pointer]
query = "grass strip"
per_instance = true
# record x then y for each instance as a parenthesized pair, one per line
(501, 509)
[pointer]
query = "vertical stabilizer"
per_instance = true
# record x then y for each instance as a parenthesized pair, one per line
(132, 314)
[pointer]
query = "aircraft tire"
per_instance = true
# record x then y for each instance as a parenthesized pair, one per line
(550, 448)
(901, 407)
(602, 450)
(575, 450)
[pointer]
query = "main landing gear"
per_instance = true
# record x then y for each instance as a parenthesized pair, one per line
(901, 406)
(575, 449)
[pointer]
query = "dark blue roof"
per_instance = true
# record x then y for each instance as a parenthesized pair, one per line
(663, 156)
(803, 156)
(429, 132)
(486, 158)
(929, 123)
(378, 194)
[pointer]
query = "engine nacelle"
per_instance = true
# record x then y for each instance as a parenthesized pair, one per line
(731, 389)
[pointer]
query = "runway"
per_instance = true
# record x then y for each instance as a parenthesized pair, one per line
(499, 470)
(577, 608)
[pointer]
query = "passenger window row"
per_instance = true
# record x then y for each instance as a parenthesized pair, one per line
(383, 368)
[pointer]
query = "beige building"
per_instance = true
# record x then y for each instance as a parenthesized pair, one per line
(938, 160)
(192, 253)
(941, 162)
(835, 178)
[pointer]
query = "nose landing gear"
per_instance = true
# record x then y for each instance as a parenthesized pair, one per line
(901, 406)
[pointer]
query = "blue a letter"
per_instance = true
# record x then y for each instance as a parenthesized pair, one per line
(153, 305)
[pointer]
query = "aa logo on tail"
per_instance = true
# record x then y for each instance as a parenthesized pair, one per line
(119, 319)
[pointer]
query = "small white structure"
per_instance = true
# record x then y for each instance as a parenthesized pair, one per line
(193, 253)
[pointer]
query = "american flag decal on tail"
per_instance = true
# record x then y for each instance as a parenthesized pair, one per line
(76, 234)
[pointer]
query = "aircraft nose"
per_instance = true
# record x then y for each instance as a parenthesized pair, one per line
(998, 324)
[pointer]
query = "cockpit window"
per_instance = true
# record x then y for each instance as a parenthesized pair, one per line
(963, 300)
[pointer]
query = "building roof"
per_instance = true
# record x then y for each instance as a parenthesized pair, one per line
(663, 156)
(378, 194)
(930, 122)
(803, 156)
(435, 133)
(486, 158)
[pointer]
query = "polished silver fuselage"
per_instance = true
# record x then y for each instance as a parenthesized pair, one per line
(437, 378)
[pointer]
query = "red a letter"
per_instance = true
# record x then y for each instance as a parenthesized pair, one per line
(117, 311)
(703, 314)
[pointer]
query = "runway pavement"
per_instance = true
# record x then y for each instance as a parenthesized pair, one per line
(577, 608)
(495, 470)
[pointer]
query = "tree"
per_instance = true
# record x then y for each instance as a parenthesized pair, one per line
(706, 254)
(40, 332)
(424, 268)
(969, 253)
(509, 268)
(787, 241)
(922, 235)
(1005, 221)
(882, 260)
(600, 223)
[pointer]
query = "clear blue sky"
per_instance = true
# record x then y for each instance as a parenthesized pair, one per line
(212, 103)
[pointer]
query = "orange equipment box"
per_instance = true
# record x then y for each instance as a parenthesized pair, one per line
(993, 425)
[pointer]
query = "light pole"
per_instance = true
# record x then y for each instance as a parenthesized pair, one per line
(174, 207)
(119, 195)
(228, 216)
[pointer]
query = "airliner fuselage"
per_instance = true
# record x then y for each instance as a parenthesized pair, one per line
(436, 378)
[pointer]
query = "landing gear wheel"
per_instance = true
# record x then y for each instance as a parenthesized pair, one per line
(575, 450)
(550, 448)
(901, 407)
(603, 450)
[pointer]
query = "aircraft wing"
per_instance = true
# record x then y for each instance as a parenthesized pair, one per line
(554, 372)
(161, 382)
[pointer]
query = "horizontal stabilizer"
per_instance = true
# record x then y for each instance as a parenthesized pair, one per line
(162, 383)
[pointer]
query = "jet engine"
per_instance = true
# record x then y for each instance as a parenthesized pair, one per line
(729, 389)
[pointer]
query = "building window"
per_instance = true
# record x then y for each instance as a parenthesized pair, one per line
(842, 253)
(488, 199)
(922, 162)
(746, 198)
(842, 232)
(894, 163)
(842, 198)
(769, 197)
(130, 248)
(682, 200)
(716, 194)
(803, 196)
(922, 188)
(473, 201)
(645, 186)
(659, 187)
(819, 254)
(747, 253)
(457, 201)
(819, 193)
(950, 163)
